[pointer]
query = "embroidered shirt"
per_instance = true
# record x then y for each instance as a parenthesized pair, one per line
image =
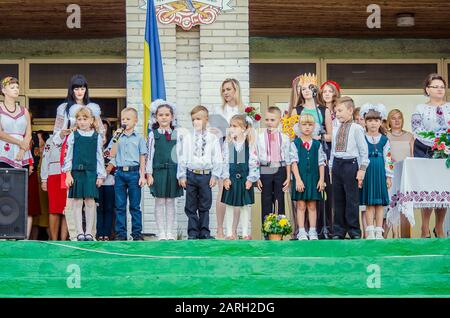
(430, 118)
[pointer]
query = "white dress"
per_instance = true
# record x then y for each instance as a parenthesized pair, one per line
(16, 127)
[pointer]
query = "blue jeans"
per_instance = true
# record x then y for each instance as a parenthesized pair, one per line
(127, 185)
(105, 210)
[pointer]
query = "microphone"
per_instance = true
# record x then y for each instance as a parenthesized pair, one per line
(119, 132)
(313, 90)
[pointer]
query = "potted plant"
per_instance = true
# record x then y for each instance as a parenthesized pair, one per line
(276, 226)
(441, 147)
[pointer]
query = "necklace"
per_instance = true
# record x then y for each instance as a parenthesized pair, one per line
(7, 109)
(397, 135)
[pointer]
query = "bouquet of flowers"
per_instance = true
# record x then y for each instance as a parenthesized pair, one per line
(276, 224)
(253, 113)
(441, 147)
(288, 125)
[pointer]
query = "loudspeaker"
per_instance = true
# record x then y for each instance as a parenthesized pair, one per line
(13, 203)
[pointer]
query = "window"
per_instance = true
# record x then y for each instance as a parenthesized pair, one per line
(9, 70)
(277, 75)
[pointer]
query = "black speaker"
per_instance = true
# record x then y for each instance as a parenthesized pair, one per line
(13, 203)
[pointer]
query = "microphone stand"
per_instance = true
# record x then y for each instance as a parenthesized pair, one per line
(324, 230)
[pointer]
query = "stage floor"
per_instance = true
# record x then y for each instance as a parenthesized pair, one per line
(360, 268)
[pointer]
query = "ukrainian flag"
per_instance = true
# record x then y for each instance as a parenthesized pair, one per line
(153, 76)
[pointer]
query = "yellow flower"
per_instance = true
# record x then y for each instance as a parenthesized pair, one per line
(283, 222)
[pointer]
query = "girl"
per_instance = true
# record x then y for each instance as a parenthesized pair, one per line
(330, 91)
(232, 104)
(77, 97)
(106, 195)
(15, 134)
(431, 116)
(402, 146)
(241, 170)
(161, 167)
(51, 183)
(309, 173)
(85, 170)
(374, 193)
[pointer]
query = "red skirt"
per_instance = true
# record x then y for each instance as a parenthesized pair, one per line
(57, 196)
(34, 203)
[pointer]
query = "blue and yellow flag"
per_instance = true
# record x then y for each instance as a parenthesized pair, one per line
(153, 87)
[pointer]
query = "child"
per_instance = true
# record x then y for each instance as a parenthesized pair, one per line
(309, 177)
(348, 163)
(199, 167)
(374, 193)
(57, 194)
(128, 156)
(241, 170)
(85, 171)
(106, 195)
(161, 168)
(275, 152)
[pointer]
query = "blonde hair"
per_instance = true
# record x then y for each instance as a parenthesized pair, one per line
(389, 118)
(237, 87)
(199, 108)
(306, 119)
(274, 110)
(86, 112)
(241, 120)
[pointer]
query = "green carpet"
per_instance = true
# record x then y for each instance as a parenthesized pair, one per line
(360, 268)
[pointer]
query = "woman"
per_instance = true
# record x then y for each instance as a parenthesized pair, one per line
(77, 97)
(305, 100)
(230, 91)
(431, 116)
(402, 146)
(15, 134)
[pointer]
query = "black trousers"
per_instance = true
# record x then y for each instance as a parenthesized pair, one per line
(272, 191)
(346, 197)
(325, 207)
(198, 199)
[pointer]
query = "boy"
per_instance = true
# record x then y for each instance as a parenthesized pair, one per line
(199, 167)
(128, 156)
(348, 163)
(276, 153)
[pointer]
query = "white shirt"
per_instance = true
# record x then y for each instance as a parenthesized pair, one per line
(101, 172)
(425, 118)
(208, 157)
(50, 164)
(253, 162)
(287, 148)
(227, 112)
(355, 146)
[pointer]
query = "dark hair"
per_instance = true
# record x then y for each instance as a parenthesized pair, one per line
(75, 82)
(372, 114)
(301, 100)
(156, 124)
(431, 77)
(108, 132)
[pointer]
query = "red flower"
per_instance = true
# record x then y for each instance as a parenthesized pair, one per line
(441, 146)
(7, 147)
(248, 109)
(436, 140)
(448, 130)
(257, 117)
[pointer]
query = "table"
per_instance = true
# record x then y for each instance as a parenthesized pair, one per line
(418, 183)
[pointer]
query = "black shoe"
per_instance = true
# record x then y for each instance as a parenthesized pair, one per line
(337, 237)
(138, 238)
(355, 237)
(434, 232)
(120, 238)
(192, 238)
(207, 237)
(81, 237)
(88, 237)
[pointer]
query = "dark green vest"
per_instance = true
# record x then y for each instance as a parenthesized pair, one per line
(85, 152)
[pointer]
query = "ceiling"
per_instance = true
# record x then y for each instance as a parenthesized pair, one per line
(46, 19)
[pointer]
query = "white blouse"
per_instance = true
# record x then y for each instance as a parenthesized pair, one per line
(388, 163)
(51, 164)
(227, 112)
(253, 162)
(101, 172)
(428, 118)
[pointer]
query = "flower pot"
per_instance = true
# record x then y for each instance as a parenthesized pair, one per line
(275, 237)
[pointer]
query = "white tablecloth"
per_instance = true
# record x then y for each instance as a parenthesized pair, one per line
(418, 183)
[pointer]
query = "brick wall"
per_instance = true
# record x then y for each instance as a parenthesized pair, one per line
(195, 63)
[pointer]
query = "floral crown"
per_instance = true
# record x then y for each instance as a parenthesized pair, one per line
(379, 108)
(307, 78)
(7, 80)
